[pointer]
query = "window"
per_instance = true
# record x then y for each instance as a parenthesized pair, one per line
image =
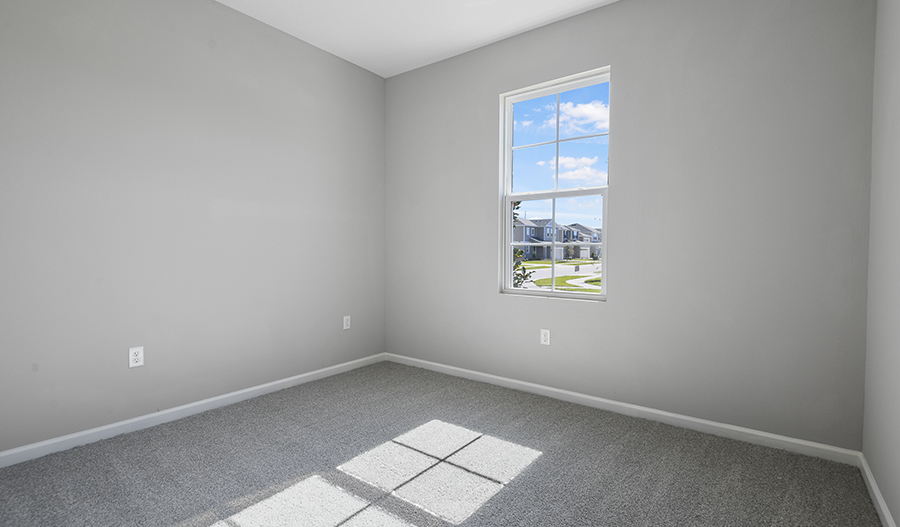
(555, 159)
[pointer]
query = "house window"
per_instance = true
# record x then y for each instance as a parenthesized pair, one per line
(555, 152)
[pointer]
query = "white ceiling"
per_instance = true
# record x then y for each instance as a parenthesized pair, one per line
(389, 37)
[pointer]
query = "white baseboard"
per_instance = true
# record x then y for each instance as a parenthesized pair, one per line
(748, 435)
(36, 450)
(880, 505)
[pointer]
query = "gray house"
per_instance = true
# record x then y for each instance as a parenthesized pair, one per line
(524, 230)
(545, 230)
(594, 235)
(588, 234)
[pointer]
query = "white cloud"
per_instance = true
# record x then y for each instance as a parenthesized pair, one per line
(585, 118)
(541, 163)
(585, 177)
(527, 123)
(579, 170)
(574, 162)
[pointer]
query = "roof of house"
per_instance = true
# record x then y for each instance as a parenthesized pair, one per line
(586, 229)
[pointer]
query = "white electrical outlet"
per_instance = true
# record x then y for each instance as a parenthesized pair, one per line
(545, 337)
(347, 322)
(135, 357)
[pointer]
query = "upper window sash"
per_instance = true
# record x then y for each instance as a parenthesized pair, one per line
(508, 99)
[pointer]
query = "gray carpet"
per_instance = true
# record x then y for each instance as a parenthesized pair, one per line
(594, 468)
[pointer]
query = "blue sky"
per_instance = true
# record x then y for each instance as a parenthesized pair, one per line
(582, 162)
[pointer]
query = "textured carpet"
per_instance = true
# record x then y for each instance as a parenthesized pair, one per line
(276, 458)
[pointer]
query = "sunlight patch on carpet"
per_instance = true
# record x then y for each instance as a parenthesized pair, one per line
(387, 466)
(313, 502)
(437, 438)
(494, 458)
(443, 469)
(375, 517)
(448, 492)
(462, 470)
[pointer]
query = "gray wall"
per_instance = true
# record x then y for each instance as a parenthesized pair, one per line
(738, 216)
(882, 416)
(166, 170)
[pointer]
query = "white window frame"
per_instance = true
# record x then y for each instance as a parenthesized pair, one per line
(507, 197)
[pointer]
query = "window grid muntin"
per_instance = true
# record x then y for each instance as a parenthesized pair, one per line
(564, 140)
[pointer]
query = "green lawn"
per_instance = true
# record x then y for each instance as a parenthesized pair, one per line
(563, 281)
(562, 284)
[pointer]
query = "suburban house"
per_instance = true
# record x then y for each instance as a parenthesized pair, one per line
(542, 230)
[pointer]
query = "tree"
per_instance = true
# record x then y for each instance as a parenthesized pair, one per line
(521, 275)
